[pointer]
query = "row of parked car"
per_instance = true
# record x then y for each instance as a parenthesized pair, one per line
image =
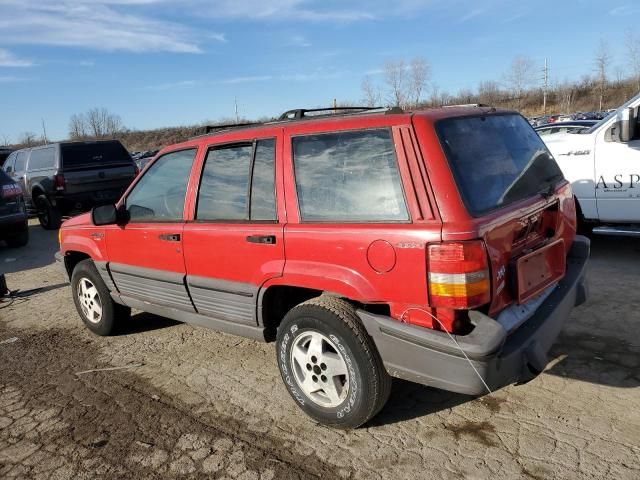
(547, 119)
(58, 179)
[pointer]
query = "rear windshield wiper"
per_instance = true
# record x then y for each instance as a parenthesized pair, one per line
(550, 186)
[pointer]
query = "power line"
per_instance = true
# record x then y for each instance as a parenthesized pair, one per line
(546, 86)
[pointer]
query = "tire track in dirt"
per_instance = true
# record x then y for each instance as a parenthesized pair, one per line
(54, 423)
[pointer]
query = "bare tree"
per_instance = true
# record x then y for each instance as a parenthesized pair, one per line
(466, 95)
(5, 140)
(28, 139)
(519, 77)
(566, 93)
(489, 92)
(395, 78)
(633, 57)
(77, 126)
(113, 125)
(97, 123)
(419, 75)
(371, 92)
(602, 61)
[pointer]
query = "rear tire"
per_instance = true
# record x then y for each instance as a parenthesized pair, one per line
(48, 215)
(20, 239)
(329, 363)
(93, 301)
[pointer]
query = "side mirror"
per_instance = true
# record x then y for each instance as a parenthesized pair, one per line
(108, 215)
(624, 130)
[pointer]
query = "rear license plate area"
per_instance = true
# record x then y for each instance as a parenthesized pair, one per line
(539, 269)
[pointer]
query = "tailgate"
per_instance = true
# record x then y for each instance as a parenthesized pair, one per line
(107, 177)
(528, 248)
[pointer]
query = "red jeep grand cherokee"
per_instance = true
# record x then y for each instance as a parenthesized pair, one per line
(436, 246)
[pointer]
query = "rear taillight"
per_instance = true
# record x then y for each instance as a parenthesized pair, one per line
(58, 182)
(458, 275)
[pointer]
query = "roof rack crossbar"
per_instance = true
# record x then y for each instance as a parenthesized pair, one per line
(477, 105)
(299, 113)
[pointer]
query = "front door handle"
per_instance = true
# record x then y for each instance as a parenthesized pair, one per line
(268, 239)
(169, 237)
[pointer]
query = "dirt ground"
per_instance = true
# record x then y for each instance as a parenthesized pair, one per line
(199, 404)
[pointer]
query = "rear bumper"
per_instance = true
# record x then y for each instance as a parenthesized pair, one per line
(432, 358)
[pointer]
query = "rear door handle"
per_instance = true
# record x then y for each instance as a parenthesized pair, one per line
(268, 239)
(169, 237)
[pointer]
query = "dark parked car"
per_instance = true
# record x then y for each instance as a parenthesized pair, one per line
(60, 178)
(13, 213)
(4, 153)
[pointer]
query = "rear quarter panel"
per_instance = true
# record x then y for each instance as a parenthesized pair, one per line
(346, 258)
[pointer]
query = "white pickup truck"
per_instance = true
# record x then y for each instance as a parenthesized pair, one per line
(603, 165)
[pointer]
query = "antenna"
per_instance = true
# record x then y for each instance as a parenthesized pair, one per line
(235, 101)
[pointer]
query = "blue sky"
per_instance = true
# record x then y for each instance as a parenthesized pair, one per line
(161, 63)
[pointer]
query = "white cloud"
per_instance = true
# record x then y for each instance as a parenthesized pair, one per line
(8, 79)
(471, 15)
(98, 25)
(7, 59)
(299, 41)
(623, 10)
(183, 84)
(249, 79)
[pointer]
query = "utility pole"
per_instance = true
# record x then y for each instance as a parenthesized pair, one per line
(235, 101)
(546, 87)
(44, 132)
(335, 105)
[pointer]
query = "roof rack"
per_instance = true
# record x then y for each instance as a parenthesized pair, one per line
(299, 113)
(477, 105)
(215, 128)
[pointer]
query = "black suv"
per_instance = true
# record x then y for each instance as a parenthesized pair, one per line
(73, 176)
(13, 213)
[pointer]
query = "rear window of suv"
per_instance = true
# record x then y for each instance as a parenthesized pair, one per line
(496, 160)
(91, 154)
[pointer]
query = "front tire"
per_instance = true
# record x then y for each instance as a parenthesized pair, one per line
(48, 215)
(93, 301)
(330, 365)
(20, 239)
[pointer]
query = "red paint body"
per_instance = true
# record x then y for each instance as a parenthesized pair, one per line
(351, 260)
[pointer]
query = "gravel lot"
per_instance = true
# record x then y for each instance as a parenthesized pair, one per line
(196, 403)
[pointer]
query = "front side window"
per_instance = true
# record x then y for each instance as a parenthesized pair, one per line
(348, 176)
(159, 195)
(238, 183)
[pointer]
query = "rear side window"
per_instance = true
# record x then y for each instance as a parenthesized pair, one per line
(160, 193)
(42, 158)
(21, 161)
(238, 183)
(496, 160)
(91, 154)
(348, 176)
